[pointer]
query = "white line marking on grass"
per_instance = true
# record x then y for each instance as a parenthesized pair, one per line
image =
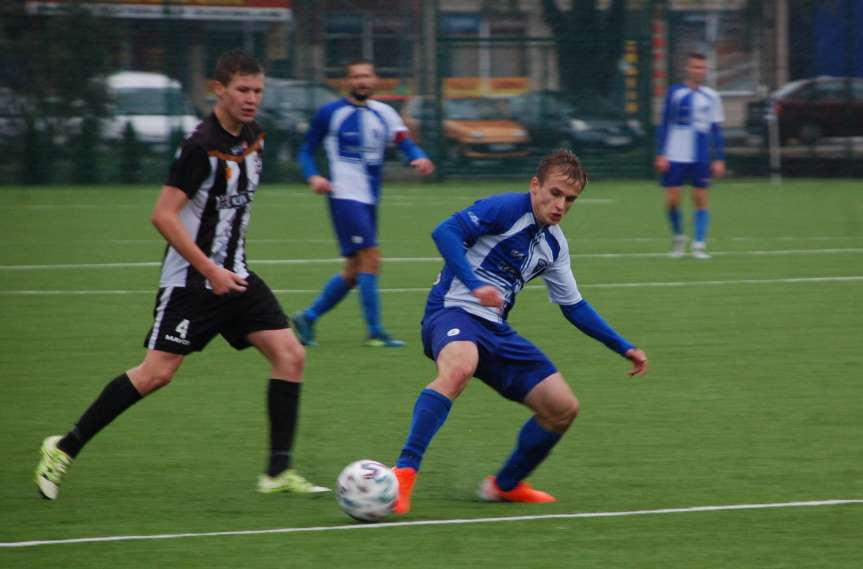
(660, 284)
(146, 264)
(464, 521)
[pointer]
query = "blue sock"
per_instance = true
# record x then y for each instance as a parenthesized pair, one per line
(333, 292)
(676, 220)
(534, 444)
(702, 222)
(368, 283)
(430, 412)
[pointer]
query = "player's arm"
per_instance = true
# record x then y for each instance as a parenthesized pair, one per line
(166, 218)
(584, 317)
(314, 137)
(718, 164)
(661, 162)
(415, 155)
(449, 236)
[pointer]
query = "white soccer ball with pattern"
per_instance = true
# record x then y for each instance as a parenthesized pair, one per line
(367, 490)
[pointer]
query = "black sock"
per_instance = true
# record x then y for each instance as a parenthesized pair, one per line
(117, 396)
(283, 398)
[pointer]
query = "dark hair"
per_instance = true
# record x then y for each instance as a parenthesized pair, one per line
(566, 163)
(696, 55)
(357, 61)
(235, 62)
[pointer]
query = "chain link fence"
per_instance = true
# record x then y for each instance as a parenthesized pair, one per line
(102, 92)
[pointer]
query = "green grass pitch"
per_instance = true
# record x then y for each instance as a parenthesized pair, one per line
(754, 394)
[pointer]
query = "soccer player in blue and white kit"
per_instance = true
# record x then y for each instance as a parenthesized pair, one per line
(355, 131)
(689, 129)
(491, 250)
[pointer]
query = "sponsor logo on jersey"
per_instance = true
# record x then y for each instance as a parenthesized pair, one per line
(234, 201)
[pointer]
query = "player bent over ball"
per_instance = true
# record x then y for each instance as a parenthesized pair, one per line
(491, 250)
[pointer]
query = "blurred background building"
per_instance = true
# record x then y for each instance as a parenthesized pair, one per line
(585, 73)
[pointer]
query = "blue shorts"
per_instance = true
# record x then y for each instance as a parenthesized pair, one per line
(508, 363)
(356, 225)
(698, 174)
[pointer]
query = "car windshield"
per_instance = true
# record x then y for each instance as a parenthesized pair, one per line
(152, 101)
(299, 97)
(786, 90)
(476, 109)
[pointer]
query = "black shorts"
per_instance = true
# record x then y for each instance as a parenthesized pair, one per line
(185, 319)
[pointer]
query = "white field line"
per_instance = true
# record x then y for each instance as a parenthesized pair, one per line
(146, 264)
(466, 521)
(659, 284)
(581, 239)
(400, 199)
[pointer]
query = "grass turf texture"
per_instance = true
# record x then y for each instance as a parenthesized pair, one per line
(753, 395)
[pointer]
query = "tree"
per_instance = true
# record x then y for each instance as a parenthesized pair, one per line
(48, 66)
(589, 44)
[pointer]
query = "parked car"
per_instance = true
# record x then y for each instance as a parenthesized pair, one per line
(475, 128)
(811, 109)
(288, 107)
(554, 120)
(153, 104)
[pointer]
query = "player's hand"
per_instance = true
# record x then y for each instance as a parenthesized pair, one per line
(488, 296)
(423, 166)
(661, 164)
(639, 361)
(718, 168)
(320, 185)
(224, 281)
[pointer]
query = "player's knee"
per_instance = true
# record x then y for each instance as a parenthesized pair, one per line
(291, 360)
(155, 378)
(563, 417)
(453, 382)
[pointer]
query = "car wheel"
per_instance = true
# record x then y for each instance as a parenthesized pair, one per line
(810, 134)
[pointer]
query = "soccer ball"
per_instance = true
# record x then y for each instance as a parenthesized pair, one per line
(367, 490)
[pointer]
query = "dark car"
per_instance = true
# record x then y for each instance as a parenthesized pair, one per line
(555, 120)
(811, 109)
(288, 107)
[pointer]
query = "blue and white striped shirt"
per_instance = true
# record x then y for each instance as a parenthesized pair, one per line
(690, 125)
(355, 138)
(504, 247)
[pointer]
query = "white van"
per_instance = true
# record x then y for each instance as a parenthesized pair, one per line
(154, 104)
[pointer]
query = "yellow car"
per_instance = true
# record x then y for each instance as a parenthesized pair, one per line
(475, 128)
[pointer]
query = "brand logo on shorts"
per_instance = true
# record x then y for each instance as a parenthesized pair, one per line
(182, 330)
(356, 239)
(453, 332)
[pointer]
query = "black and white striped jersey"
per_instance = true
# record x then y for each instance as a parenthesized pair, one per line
(220, 173)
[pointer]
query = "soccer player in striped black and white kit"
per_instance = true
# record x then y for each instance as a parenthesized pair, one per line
(690, 148)
(206, 287)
